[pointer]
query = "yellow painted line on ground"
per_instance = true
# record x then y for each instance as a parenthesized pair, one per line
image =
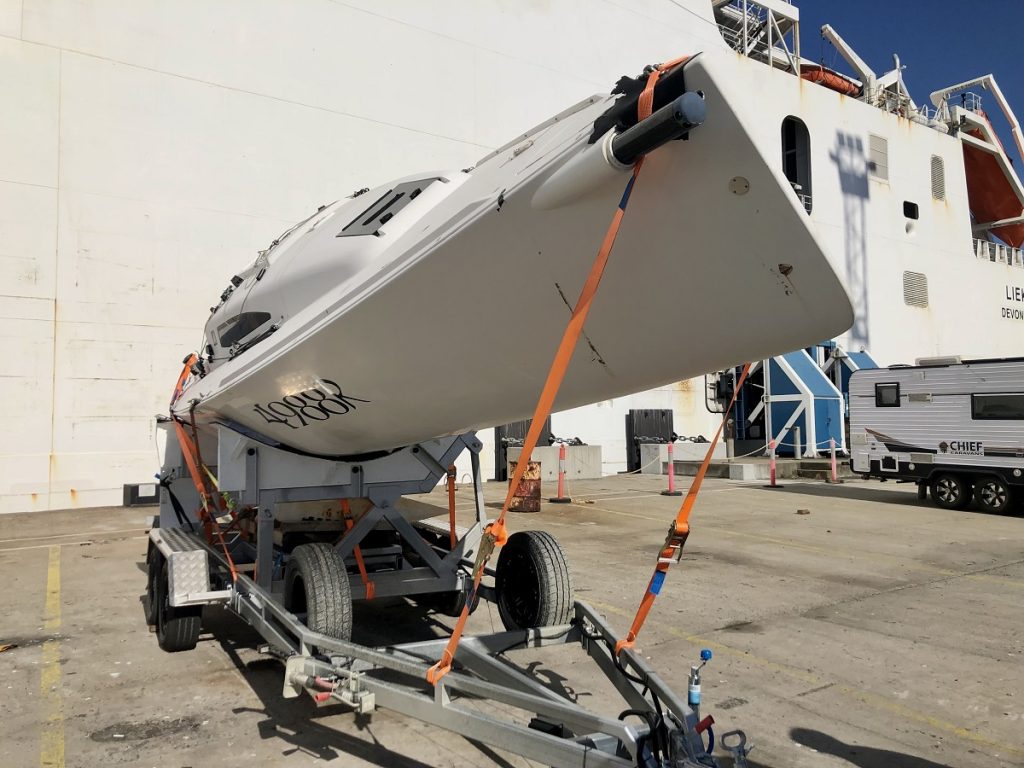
(810, 678)
(51, 738)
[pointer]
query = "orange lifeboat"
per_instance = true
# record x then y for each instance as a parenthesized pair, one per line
(829, 78)
(990, 194)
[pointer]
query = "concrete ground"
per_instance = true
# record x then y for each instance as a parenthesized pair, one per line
(872, 631)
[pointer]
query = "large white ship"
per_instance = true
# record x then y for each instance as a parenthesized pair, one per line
(151, 157)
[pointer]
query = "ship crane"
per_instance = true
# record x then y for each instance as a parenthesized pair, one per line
(987, 82)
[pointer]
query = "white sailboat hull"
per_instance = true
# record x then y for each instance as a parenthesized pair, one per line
(453, 322)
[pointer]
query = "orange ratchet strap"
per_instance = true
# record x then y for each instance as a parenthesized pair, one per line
(452, 538)
(495, 534)
(190, 451)
(346, 512)
(672, 551)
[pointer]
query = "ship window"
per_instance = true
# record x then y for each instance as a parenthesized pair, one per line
(240, 326)
(878, 158)
(796, 158)
(915, 289)
(938, 178)
(910, 209)
(385, 208)
(998, 407)
(887, 395)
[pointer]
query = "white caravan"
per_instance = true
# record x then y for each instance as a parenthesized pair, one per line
(956, 427)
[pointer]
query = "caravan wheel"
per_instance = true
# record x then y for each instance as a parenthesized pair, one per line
(950, 491)
(993, 495)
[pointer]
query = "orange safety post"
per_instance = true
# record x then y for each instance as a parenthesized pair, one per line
(561, 498)
(671, 471)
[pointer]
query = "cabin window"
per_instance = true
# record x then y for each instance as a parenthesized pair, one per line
(1004, 406)
(938, 178)
(887, 395)
(915, 289)
(796, 158)
(240, 326)
(910, 210)
(385, 208)
(878, 158)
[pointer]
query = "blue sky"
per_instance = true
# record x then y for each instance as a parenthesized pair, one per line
(939, 42)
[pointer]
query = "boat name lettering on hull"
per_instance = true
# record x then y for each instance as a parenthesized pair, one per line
(309, 406)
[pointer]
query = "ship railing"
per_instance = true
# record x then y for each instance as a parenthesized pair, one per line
(760, 32)
(998, 253)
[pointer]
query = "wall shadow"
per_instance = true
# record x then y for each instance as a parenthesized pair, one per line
(852, 166)
(857, 754)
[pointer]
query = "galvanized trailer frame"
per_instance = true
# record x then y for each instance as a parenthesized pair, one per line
(472, 700)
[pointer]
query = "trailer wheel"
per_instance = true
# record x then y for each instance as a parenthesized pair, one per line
(993, 495)
(154, 562)
(533, 582)
(177, 629)
(950, 491)
(316, 583)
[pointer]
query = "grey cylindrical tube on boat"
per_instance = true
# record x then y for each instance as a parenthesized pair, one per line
(602, 162)
(668, 123)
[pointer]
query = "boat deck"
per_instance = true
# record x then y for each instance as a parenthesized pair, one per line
(872, 630)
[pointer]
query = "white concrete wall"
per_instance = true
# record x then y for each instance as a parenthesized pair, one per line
(149, 148)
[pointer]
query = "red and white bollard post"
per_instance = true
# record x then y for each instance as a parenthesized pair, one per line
(832, 453)
(671, 472)
(561, 498)
(771, 466)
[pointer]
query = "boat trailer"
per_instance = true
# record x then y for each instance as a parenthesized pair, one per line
(286, 563)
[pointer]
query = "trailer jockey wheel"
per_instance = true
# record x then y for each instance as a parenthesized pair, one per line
(950, 491)
(177, 629)
(993, 495)
(533, 582)
(316, 584)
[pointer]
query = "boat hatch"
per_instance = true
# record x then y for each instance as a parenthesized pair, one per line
(238, 327)
(385, 208)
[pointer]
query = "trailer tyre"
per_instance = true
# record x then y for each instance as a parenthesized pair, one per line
(950, 491)
(533, 582)
(177, 629)
(154, 563)
(993, 495)
(316, 583)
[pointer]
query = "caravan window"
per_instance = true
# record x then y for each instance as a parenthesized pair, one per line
(1001, 406)
(887, 395)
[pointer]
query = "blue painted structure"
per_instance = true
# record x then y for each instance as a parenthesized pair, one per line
(800, 394)
(841, 366)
